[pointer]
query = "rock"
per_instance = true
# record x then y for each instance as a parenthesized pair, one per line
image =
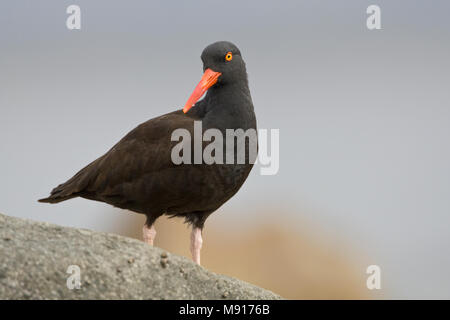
(40, 261)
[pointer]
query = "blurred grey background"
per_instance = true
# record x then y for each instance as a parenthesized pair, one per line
(364, 121)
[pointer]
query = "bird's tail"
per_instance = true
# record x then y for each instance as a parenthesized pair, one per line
(73, 187)
(56, 199)
(61, 193)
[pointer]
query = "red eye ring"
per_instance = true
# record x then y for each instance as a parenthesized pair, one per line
(229, 56)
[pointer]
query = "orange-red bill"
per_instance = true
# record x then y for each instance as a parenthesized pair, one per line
(209, 78)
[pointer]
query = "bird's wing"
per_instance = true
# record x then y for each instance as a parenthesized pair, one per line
(143, 151)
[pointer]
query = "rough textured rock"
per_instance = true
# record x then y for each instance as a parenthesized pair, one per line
(35, 256)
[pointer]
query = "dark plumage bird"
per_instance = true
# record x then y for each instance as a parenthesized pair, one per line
(138, 172)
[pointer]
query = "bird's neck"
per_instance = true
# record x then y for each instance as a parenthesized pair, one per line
(228, 107)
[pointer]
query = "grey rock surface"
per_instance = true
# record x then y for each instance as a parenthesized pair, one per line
(35, 258)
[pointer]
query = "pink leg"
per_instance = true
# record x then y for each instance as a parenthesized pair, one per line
(196, 244)
(149, 234)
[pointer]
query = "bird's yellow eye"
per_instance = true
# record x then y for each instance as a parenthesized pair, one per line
(229, 56)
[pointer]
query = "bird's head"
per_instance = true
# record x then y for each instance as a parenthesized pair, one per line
(222, 65)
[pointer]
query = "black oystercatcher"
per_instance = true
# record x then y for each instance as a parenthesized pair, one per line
(138, 172)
